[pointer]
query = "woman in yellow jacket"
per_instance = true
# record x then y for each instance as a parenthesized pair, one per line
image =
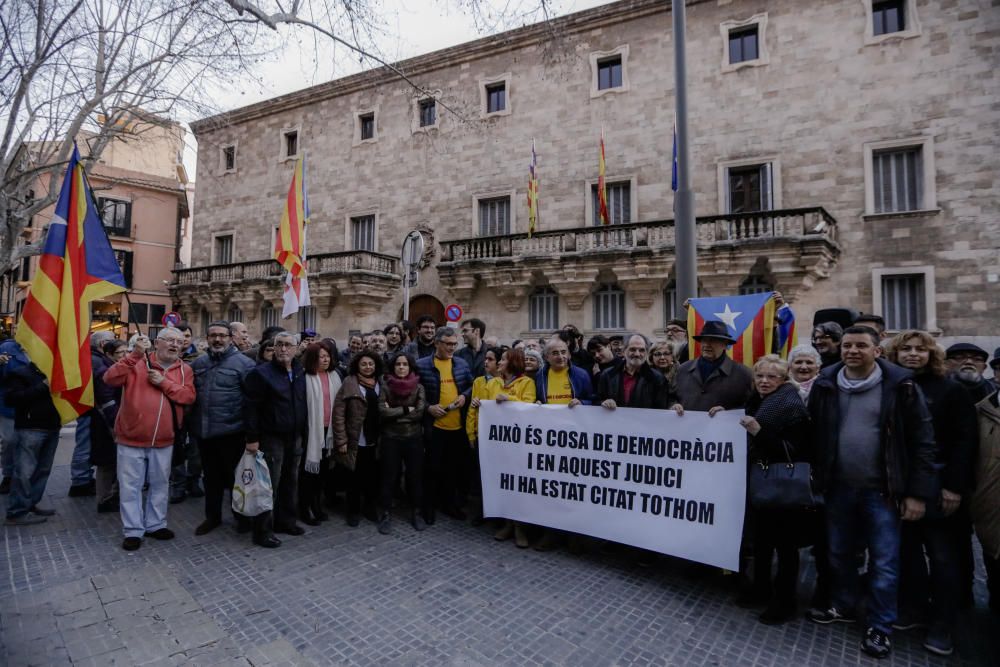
(513, 385)
(483, 389)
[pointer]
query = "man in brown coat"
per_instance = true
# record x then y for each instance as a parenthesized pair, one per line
(713, 381)
(986, 498)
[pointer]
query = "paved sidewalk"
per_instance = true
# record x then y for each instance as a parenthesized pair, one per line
(339, 596)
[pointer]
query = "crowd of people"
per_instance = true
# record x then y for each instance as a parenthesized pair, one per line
(903, 439)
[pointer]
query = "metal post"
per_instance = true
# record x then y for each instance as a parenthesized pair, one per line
(686, 269)
(406, 294)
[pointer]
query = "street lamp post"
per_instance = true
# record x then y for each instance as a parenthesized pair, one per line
(686, 269)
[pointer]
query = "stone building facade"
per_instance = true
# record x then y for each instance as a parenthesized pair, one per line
(843, 152)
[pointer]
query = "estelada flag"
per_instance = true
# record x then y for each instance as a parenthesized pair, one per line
(749, 319)
(786, 330)
(77, 266)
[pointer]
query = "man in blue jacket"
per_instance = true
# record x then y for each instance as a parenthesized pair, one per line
(560, 383)
(217, 417)
(447, 383)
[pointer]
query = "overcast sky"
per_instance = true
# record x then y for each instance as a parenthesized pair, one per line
(412, 27)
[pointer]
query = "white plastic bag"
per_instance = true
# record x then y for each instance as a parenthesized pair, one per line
(252, 494)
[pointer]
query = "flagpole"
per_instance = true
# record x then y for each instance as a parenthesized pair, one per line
(686, 268)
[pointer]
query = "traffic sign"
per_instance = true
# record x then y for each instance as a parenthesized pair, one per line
(171, 319)
(453, 313)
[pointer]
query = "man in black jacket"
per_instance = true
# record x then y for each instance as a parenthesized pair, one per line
(37, 423)
(632, 383)
(274, 415)
(216, 420)
(875, 462)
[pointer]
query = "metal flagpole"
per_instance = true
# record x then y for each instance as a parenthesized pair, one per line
(686, 269)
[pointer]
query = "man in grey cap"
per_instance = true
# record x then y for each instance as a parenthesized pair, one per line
(967, 362)
(80, 471)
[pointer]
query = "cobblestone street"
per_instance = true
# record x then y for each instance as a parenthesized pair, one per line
(448, 596)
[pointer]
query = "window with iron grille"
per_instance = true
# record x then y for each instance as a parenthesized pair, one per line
(904, 304)
(428, 113)
(269, 316)
(743, 45)
(229, 158)
(888, 16)
(609, 307)
(755, 285)
(897, 179)
(609, 73)
(619, 203)
(750, 188)
(307, 318)
(234, 314)
(291, 143)
(496, 97)
(224, 249)
(116, 216)
(494, 216)
(363, 232)
(670, 302)
(367, 122)
(543, 310)
(205, 320)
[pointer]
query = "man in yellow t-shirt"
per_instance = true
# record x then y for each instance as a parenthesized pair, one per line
(447, 464)
(562, 384)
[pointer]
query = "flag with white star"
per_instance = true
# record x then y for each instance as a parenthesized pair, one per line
(749, 318)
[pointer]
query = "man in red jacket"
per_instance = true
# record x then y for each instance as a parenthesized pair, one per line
(154, 385)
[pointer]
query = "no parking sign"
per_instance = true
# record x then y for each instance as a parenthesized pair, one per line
(453, 313)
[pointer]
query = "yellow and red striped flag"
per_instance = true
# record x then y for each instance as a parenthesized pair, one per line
(602, 195)
(532, 191)
(749, 319)
(77, 266)
(290, 246)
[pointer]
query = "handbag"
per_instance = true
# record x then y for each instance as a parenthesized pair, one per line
(252, 491)
(782, 485)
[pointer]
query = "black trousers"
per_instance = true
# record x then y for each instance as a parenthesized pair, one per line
(918, 588)
(773, 533)
(362, 482)
(282, 456)
(219, 458)
(396, 453)
(446, 455)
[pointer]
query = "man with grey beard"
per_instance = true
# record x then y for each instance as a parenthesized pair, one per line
(967, 362)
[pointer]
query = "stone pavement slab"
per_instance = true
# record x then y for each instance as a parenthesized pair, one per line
(69, 595)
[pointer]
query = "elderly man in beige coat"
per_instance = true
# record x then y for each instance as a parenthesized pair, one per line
(986, 499)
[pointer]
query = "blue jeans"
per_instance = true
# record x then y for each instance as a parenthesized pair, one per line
(35, 452)
(864, 516)
(136, 466)
(81, 472)
(8, 442)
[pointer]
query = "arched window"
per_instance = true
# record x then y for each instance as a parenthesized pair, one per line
(543, 310)
(609, 307)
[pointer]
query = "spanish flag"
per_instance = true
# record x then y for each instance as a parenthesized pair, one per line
(77, 266)
(749, 319)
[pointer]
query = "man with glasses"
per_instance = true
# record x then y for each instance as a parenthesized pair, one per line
(967, 363)
(155, 389)
(676, 334)
(632, 383)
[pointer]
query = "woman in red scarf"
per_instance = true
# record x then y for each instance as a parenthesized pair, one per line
(401, 407)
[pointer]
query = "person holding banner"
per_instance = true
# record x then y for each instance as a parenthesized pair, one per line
(632, 383)
(777, 425)
(513, 385)
(712, 382)
(559, 383)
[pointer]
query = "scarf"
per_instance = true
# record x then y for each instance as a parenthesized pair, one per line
(400, 389)
(852, 386)
(318, 443)
(706, 367)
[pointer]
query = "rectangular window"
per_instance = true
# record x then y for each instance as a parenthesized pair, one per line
(755, 285)
(139, 313)
(291, 144)
(750, 188)
(897, 179)
(307, 318)
(609, 73)
(619, 203)
(428, 113)
(25, 269)
(609, 308)
(234, 314)
(496, 97)
(156, 313)
(494, 216)
(543, 310)
(670, 302)
(903, 301)
(887, 17)
(116, 216)
(367, 126)
(224, 249)
(743, 45)
(124, 258)
(229, 158)
(269, 316)
(363, 232)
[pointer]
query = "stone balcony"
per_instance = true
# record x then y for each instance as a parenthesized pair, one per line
(789, 248)
(366, 280)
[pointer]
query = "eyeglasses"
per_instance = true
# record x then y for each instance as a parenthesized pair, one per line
(662, 354)
(171, 341)
(276, 345)
(824, 337)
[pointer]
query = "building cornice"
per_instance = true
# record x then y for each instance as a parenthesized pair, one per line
(626, 10)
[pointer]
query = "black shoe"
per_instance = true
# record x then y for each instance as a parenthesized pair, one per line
(418, 522)
(454, 513)
(939, 642)
(207, 526)
(876, 643)
(42, 511)
(429, 517)
(385, 525)
(776, 614)
(109, 505)
(353, 520)
(269, 542)
(161, 534)
(194, 489)
(290, 530)
(131, 543)
(243, 525)
(909, 621)
(831, 615)
(370, 514)
(83, 490)
(177, 497)
(5, 486)
(308, 520)
(320, 514)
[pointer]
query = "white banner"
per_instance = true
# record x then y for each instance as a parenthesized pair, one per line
(676, 485)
